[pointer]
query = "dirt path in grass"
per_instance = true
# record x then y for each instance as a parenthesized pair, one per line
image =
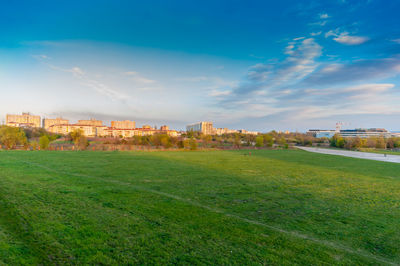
(356, 154)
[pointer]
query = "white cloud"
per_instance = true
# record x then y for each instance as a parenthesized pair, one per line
(217, 93)
(41, 57)
(345, 38)
(134, 76)
(331, 68)
(143, 80)
(315, 33)
(77, 71)
(332, 33)
(319, 23)
(193, 79)
(396, 41)
(131, 73)
(272, 77)
(323, 16)
(85, 80)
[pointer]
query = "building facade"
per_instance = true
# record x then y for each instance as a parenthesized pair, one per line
(48, 122)
(365, 133)
(322, 133)
(221, 131)
(23, 120)
(65, 129)
(352, 133)
(204, 127)
(89, 128)
(244, 131)
(123, 124)
(104, 131)
(90, 122)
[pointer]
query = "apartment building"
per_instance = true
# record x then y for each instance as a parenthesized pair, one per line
(204, 127)
(221, 131)
(104, 131)
(91, 122)
(48, 122)
(126, 124)
(207, 128)
(64, 129)
(90, 128)
(23, 120)
(244, 131)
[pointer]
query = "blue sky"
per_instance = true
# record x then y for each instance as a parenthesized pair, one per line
(259, 65)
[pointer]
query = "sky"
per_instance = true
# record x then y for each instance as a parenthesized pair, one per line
(255, 65)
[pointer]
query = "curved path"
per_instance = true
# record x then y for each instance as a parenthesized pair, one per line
(356, 154)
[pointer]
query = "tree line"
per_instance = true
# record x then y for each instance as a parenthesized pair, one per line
(378, 142)
(40, 139)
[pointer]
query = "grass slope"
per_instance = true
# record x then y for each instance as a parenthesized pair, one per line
(205, 207)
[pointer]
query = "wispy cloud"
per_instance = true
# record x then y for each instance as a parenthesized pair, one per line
(315, 33)
(40, 56)
(271, 76)
(217, 93)
(345, 38)
(323, 16)
(137, 78)
(86, 80)
(359, 70)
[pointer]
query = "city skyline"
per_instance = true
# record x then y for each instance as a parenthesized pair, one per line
(259, 66)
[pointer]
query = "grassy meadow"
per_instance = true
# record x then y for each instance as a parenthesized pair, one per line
(199, 207)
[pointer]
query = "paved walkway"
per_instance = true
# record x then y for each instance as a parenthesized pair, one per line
(356, 154)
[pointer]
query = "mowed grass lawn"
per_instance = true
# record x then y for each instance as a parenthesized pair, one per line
(200, 207)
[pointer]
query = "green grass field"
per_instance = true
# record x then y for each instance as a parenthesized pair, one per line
(203, 207)
(380, 151)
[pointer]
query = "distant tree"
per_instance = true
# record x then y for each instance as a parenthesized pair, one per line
(337, 141)
(173, 141)
(186, 143)
(206, 139)
(380, 143)
(83, 143)
(34, 132)
(268, 140)
(397, 143)
(181, 144)
(259, 141)
(390, 143)
(165, 141)
(44, 142)
(10, 137)
(76, 135)
(79, 139)
(190, 133)
(340, 143)
(372, 142)
(34, 145)
(237, 140)
(193, 144)
(282, 141)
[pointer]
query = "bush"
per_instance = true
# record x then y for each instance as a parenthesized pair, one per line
(193, 144)
(259, 141)
(44, 142)
(10, 137)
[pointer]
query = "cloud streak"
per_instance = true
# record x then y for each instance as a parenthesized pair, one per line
(300, 62)
(359, 70)
(95, 85)
(345, 37)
